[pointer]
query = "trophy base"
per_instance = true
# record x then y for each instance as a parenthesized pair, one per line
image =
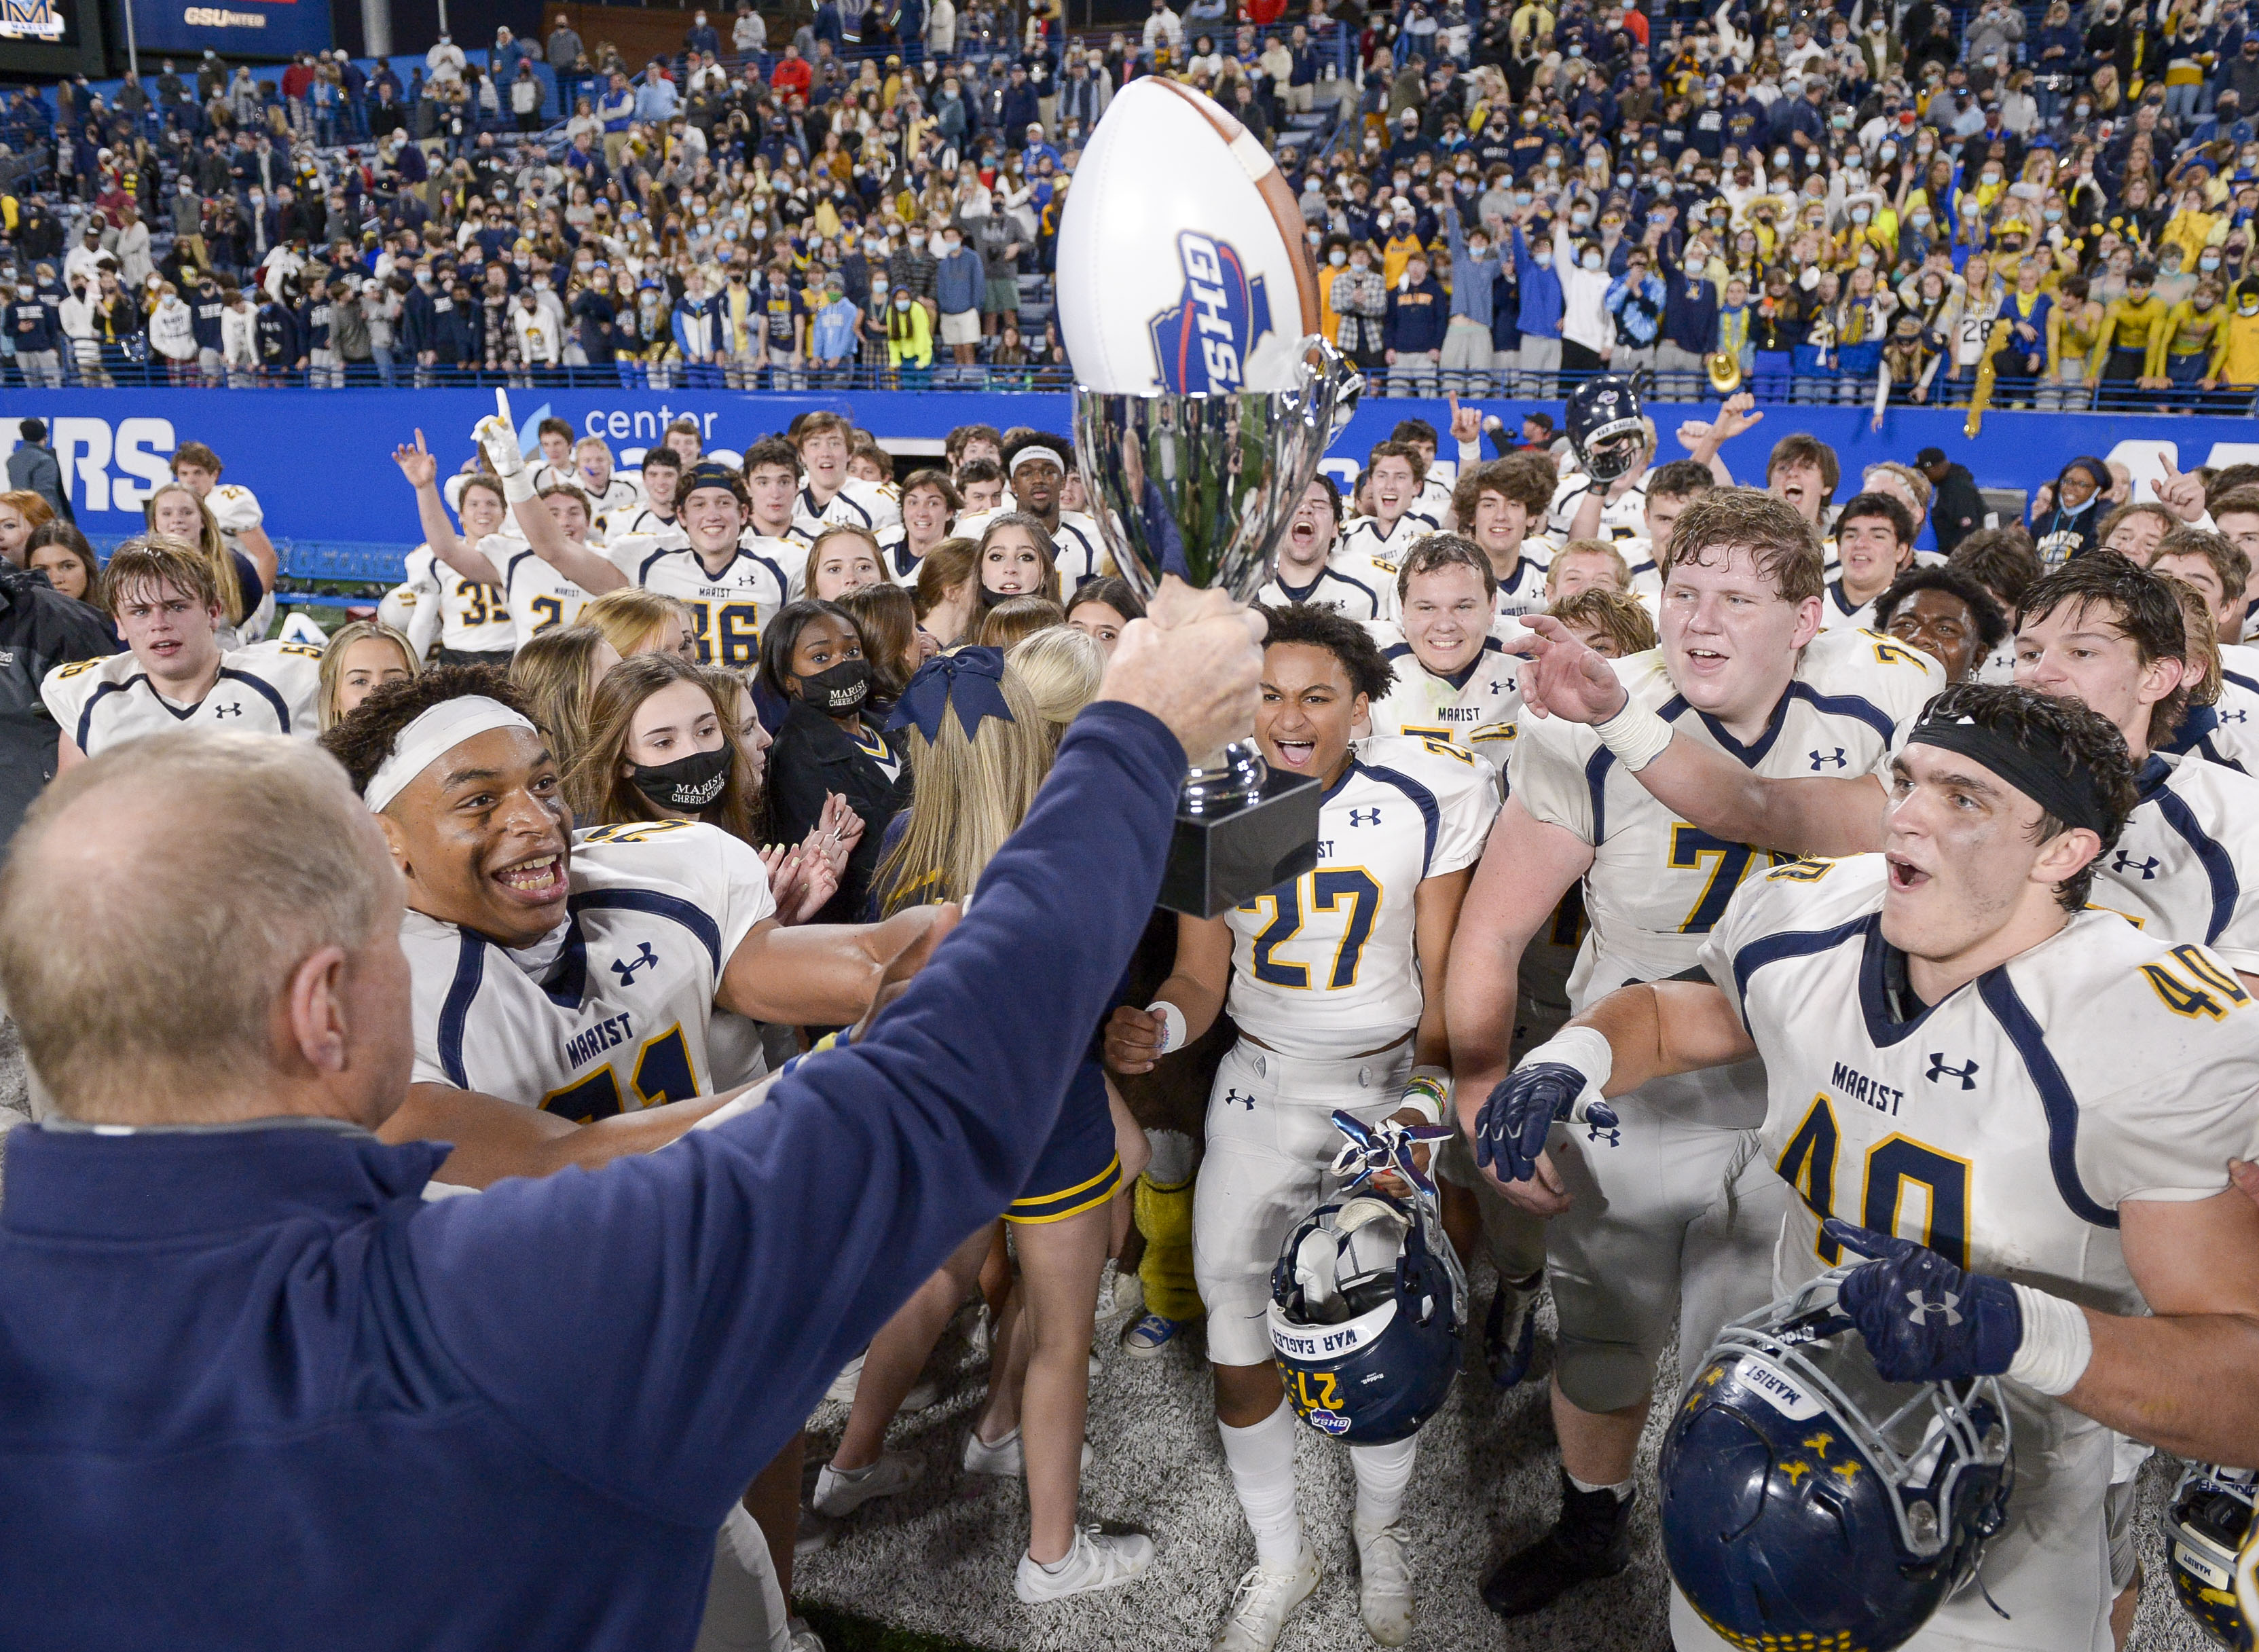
(1217, 861)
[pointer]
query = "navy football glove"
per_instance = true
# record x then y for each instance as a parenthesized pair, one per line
(1923, 1319)
(1511, 1127)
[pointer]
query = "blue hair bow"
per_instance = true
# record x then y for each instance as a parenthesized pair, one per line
(971, 681)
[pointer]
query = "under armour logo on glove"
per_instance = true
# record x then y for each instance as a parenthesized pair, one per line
(1511, 1129)
(1924, 1319)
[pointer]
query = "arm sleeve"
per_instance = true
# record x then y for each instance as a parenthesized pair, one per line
(743, 1265)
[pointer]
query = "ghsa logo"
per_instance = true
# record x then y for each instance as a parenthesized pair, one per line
(1201, 342)
(1326, 1422)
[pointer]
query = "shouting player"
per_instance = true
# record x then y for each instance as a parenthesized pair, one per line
(830, 497)
(1335, 983)
(1305, 569)
(161, 596)
(2013, 1104)
(1658, 1226)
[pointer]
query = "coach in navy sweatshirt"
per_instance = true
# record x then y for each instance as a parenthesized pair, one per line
(255, 1392)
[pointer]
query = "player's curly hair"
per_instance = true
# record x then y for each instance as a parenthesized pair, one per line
(2063, 733)
(1340, 635)
(363, 737)
(1527, 478)
(2138, 601)
(1992, 624)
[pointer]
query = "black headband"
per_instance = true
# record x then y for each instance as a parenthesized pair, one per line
(2071, 796)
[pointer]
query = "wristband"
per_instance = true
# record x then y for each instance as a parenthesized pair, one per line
(1635, 735)
(1428, 1091)
(1172, 1025)
(2058, 1343)
(518, 486)
(1586, 1049)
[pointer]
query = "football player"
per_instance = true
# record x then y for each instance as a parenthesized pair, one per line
(829, 497)
(242, 523)
(1803, 471)
(1874, 544)
(1335, 981)
(1501, 507)
(1393, 495)
(1433, 500)
(1671, 488)
(1611, 444)
(592, 474)
(730, 589)
(2099, 630)
(160, 596)
(1454, 680)
(2218, 567)
(1581, 565)
(555, 437)
(654, 522)
(1975, 1080)
(467, 619)
(1308, 568)
(1673, 1234)
(1036, 465)
(772, 470)
(547, 578)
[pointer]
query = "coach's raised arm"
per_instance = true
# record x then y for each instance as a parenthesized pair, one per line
(256, 1392)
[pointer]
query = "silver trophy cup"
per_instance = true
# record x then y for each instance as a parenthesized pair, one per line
(1205, 487)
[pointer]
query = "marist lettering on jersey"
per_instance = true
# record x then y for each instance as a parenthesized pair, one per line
(607, 1034)
(1855, 1086)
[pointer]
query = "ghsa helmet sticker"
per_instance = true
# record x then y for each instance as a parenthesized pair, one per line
(1201, 342)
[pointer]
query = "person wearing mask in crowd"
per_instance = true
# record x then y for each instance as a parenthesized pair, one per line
(812, 657)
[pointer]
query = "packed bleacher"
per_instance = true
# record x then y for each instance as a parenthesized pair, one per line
(1918, 204)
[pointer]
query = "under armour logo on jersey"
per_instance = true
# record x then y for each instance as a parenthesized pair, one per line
(1941, 1069)
(1609, 1133)
(227, 711)
(1365, 816)
(2125, 863)
(2231, 716)
(1949, 1304)
(626, 968)
(1247, 1101)
(1820, 759)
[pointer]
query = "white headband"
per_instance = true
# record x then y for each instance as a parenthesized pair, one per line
(423, 742)
(1034, 451)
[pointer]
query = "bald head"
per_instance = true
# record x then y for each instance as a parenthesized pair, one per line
(164, 904)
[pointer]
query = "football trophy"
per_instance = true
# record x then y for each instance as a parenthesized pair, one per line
(1203, 403)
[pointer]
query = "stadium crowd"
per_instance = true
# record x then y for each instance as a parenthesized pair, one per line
(1874, 202)
(860, 677)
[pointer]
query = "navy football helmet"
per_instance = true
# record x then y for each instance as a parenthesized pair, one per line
(1808, 1502)
(2208, 1531)
(1606, 429)
(1368, 1301)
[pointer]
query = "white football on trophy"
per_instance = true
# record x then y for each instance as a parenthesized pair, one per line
(1182, 262)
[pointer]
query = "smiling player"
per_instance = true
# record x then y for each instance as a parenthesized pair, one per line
(1335, 981)
(1874, 544)
(1455, 681)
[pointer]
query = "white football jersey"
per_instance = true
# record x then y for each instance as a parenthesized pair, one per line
(1838, 612)
(1646, 573)
(2225, 731)
(2239, 663)
(1658, 885)
(728, 609)
(266, 688)
(608, 1013)
(2002, 1127)
(1350, 586)
(858, 504)
(1326, 966)
(1078, 551)
(1525, 592)
(2186, 868)
(539, 597)
(1365, 538)
(895, 557)
(638, 522)
(236, 510)
(1622, 518)
(1475, 712)
(473, 616)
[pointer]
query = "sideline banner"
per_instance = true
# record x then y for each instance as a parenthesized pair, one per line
(321, 461)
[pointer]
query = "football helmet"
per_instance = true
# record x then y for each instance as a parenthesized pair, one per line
(1808, 1502)
(1368, 1301)
(1606, 429)
(2207, 1529)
